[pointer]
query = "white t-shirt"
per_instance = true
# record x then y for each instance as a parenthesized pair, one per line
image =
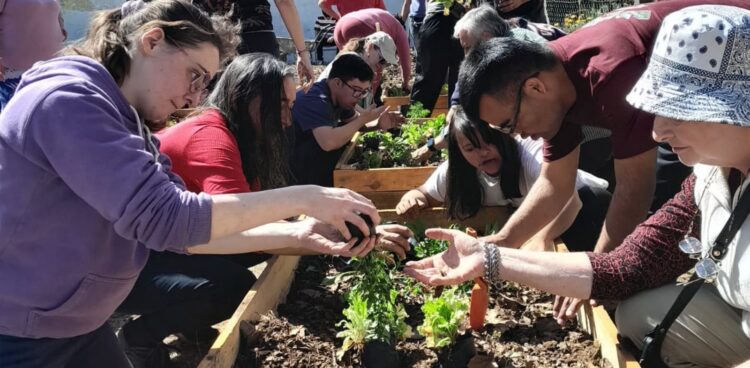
(530, 152)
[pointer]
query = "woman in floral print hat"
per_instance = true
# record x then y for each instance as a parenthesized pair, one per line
(698, 86)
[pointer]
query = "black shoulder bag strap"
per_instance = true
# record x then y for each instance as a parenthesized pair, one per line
(651, 352)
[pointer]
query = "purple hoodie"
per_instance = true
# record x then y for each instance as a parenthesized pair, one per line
(82, 201)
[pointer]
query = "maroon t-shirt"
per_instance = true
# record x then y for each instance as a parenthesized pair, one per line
(604, 60)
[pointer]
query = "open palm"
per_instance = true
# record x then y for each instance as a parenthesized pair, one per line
(462, 261)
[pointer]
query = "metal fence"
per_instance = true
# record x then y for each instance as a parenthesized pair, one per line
(557, 10)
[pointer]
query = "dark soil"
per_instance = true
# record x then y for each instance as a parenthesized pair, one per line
(520, 331)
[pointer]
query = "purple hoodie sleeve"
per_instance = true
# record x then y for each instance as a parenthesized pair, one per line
(100, 160)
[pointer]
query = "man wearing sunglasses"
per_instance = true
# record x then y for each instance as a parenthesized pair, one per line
(326, 117)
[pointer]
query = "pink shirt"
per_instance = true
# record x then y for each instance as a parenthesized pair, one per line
(361, 23)
(347, 6)
(29, 32)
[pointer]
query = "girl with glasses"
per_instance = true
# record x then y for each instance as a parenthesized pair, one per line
(237, 142)
(86, 194)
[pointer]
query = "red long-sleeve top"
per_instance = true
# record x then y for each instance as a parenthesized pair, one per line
(649, 257)
(205, 155)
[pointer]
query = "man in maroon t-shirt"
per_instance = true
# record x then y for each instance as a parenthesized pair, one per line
(580, 79)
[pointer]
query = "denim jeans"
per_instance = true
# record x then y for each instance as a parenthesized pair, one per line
(95, 349)
(186, 294)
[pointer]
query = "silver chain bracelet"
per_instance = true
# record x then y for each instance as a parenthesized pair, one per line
(491, 263)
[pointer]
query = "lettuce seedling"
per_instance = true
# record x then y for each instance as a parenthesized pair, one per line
(373, 313)
(444, 317)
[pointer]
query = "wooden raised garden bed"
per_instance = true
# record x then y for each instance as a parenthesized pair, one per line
(519, 332)
(441, 105)
(384, 186)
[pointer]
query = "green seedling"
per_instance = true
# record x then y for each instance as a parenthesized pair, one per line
(444, 317)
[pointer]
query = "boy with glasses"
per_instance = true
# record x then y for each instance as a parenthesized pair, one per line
(326, 117)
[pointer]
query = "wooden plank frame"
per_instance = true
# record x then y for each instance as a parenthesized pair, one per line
(596, 322)
(274, 282)
(441, 105)
(437, 217)
(388, 184)
(268, 292)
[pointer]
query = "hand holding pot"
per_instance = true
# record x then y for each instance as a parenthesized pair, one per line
(325, 239)
(336, 206)
(462, 261)
(394, 238)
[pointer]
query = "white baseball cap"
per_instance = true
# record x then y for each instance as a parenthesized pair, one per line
(386, 45)
(699, 68)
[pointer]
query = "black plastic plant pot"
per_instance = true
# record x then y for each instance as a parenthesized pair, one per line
(357, 233)
(378, 354)
(372, 143)
(459, 354)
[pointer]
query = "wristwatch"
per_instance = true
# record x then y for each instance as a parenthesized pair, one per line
(431, 145)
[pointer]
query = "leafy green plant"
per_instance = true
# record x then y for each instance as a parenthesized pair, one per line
(395, 150)
(426, 247)
(417, 111)
(356, 325)
(373, 312)
(429, 247)
(444, 317)
(444, 90)
(394, 91)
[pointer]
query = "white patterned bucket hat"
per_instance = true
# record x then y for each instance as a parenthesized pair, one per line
(699, 68)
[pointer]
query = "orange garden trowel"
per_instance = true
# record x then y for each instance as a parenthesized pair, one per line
(479, 297)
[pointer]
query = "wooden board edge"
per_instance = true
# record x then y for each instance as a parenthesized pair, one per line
(382, 179)
(268, 291)
(442, 102)
(596, 322)
(437, 217)
(348, 151)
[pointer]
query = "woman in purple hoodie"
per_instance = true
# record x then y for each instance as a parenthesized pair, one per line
(85, 193)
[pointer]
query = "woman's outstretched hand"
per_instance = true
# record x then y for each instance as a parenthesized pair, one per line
(462, 261)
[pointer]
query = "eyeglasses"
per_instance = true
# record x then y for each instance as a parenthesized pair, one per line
(356, 91)
(708, 266)
(199, 79)
(510, 126)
